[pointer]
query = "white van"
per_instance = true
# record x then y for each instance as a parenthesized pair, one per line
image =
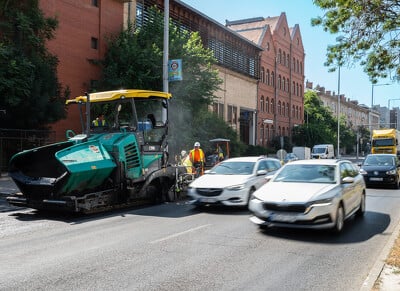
(323, 151)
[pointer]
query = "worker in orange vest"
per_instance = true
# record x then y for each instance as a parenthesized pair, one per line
(197, 158)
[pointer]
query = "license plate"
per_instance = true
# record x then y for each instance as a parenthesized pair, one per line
(208, 200)
(375, 179)
(282, 218)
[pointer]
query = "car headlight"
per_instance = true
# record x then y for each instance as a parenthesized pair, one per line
(363, 172)
(236, 187)
(391, 172)
(318, 203)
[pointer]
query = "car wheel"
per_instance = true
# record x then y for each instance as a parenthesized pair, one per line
(361, 210)
(339, 222)
(396, 185)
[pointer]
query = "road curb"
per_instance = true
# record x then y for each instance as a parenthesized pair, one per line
(377, 270)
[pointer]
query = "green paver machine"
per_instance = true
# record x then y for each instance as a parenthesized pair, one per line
(119, 162)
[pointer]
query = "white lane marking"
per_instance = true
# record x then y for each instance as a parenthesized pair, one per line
(179, 233)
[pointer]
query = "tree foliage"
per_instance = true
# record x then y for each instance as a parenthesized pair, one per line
(31, 93)
(134, 59)
(369, 34)
(320, 126)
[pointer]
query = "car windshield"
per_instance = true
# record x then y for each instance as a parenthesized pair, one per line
(233, 168)
(318, 150)
(374, 160)
(307, 174)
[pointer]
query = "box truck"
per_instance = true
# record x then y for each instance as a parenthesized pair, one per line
(303, 153)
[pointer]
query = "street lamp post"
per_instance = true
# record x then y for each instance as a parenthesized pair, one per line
(338, 116)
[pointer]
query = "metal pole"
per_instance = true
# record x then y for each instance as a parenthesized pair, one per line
(165, 54)
(338, 116)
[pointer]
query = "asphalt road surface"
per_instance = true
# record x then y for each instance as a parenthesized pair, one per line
(177, 247)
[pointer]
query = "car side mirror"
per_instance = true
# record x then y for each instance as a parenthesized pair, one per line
(347, 180)
(261, 172)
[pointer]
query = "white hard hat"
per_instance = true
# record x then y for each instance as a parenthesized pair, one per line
(196, 144)
(183, 153)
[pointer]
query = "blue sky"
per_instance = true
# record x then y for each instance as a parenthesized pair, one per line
(354, 83)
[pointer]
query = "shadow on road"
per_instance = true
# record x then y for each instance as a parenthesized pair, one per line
(355, 230)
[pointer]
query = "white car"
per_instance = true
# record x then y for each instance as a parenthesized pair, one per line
(310, 194)
(232, 181)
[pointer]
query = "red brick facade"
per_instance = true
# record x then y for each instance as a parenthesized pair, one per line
(280, 89)
(80, 37)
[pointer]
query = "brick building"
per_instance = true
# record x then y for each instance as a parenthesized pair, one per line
(82, 28)
(280, 95)
(263, 72)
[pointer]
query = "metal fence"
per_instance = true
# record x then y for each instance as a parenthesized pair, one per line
(13, 141)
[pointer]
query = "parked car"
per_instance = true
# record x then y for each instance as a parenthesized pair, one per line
(290, 157)
(232, 181)
(310, 194)
(381, 169)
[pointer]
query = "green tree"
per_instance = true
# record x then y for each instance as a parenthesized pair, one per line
(368, 34)
(320, 126)
(31, 93)
(134, 60)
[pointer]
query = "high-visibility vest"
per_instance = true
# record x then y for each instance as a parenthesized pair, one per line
(97, 123)
(196, 156)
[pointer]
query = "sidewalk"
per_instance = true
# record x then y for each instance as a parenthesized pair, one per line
(386, 277)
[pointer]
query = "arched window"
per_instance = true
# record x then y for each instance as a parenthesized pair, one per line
(262, 75)
(297, 112)
(297, 89)
(280, 56)
(279, 108)
(284, 84)
(287, 85)
(267, 105)
(284, 59)
(283, 109)
(293, 88)
(267, 80)
(272, 79)
(262, 104)
(279, 82)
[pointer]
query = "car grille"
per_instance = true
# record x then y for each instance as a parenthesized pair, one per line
(299, 208)
(209, 192)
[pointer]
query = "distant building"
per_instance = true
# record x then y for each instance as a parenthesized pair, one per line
(356, 114)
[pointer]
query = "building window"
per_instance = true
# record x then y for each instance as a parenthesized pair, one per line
(279, 108)
(267, 80)
(283, 109)
(93, 85)
(287, 109)
(262, 104)
(232, 114)
(95, 3)
(94, 43)
(262, 75)
(272, 79)
(267, 105)
(280, 56)
(279, 82)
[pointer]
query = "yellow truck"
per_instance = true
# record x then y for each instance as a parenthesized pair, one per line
(385, 141)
